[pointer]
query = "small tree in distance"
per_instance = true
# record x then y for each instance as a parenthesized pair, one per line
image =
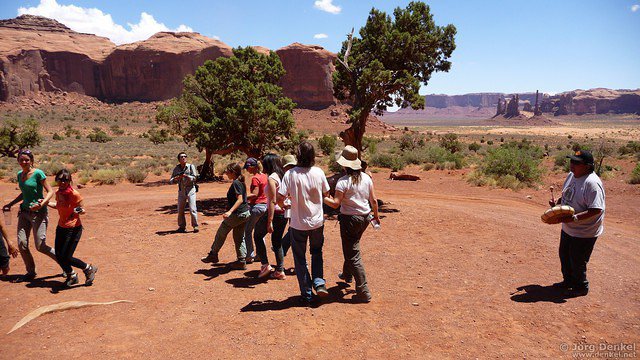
(386, 65)
(16, 135)
(233, 104)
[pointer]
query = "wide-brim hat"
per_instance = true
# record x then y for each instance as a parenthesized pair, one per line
(349, 158)
(289, 160)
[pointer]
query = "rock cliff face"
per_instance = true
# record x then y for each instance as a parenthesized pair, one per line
(473, 100)
(594, 101)
(39, 54)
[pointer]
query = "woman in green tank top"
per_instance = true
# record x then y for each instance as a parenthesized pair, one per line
(32, 216)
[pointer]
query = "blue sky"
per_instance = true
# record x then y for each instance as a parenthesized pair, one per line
(502, 46)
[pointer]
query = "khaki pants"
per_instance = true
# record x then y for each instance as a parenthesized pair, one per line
(36, 222)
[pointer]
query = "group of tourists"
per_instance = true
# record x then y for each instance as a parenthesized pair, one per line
(33, 219)
(295, 190)
(289, 190)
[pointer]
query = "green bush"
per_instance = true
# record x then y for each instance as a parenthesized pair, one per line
(99, 136)
(334, 167)
(410, 141)
(635, 175)
(370, 144)
(16, 135)
(116, 130)
(135, 175)
(107, 176)
(474, 147)
(560, 160)
(327, 144)
(388, 161)
(632, 147)
(57, 137)
(51, 168)
(490, 142)
(450, 142)
(519, 162)
(158, 136)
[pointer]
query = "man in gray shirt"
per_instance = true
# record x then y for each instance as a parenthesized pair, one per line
(583, 191)
(185, 175)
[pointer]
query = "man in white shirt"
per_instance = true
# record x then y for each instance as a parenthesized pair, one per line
(306, 185)
(583, 191)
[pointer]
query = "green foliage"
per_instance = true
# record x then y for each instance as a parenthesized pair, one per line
(474, 147)
(116, 130)
(370, 144)
(99, 136)
(635, 175)
(393, 162)
(388, 62)
(16, 135)
(107, 176)
(409, 141)
(490, 142)
(561, 160)
(51, 167)
(450, 142)
(632, 147)
(327, 144)
(295, 139)
(158, 136)
(57, 137)
(520, 160)
(135, 175)
(233, 104)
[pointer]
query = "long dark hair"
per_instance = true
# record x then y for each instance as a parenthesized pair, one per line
(272, 164)
(354, 175)
(63, 175)
(237, 170)
(306, 155)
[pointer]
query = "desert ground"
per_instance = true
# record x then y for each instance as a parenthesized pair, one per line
(457, 271)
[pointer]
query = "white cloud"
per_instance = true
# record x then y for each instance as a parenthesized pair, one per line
(320, 36)
(635, 7)
(327, 5)
(94, 21)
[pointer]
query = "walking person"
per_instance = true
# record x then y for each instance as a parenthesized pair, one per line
(306, 184)
(583, 191)
(257, 203)
(273, 223)
(69, 230)
(289, 162)
(235, 218)
(6, 251)
(33, 215)
(185, 174)
(356, 198)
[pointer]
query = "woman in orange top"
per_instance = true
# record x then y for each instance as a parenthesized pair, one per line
(69, 206)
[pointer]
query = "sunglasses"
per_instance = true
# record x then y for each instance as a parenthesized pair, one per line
(183, 156)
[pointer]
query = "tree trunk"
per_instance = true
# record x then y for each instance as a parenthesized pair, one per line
(207, 171)
(354, 134)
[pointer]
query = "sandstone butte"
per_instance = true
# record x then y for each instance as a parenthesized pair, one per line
(38, 54)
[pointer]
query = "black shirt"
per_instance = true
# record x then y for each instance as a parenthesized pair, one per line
(237, 188)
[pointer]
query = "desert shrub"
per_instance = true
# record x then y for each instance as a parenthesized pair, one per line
(99, 136)
(135, 175)
(116, 130)
(635, 175)
(632, 147)
(560, 160)
(327, 144)
(450, 142)
(477, 178)
(490, 142)
(509, 182)
(519, 162)
(107, 176)
(51, 168)
(389, 161)
(428, 166)
(57, 137)
(577, 147)
(474, 147)
(334, 167)
(158, 136)
(370, 144)
(409, 141)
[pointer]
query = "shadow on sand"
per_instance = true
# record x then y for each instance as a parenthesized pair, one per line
(336, 295)
(208, 207)
(536, 293)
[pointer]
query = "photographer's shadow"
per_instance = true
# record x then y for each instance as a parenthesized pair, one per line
(535, 293)
(208, 207)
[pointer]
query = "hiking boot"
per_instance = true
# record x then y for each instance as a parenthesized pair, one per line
(321, 291)
(210, 258)
(278, 275)
(72, 279)
(347, 279)
(265, 270)
(196, 230)
(90, 274)
(362, 297)
(238, 265)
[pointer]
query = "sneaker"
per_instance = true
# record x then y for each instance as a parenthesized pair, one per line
(181, 230)
(64, 274)
(249, 260)
(308, 302)
(348, 280)
(196, 230)
(210, 258)
(290, 271)
(72, 279)
(362, 298)
(321, 291)
(278, 275)
(90, 274)
(238, 265)
(265, 270)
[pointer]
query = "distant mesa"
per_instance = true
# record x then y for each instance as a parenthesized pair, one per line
(38, 54)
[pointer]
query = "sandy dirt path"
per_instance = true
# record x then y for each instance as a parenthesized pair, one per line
(445, 272)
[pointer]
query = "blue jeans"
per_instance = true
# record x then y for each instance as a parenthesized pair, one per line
(299, 249)
(257, 211)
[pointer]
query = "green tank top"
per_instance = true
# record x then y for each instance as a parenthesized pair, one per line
(31, 189)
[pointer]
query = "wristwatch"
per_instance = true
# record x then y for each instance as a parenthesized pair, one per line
(575, 218)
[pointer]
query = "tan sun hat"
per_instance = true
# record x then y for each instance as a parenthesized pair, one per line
(349, 158)
(289, 160)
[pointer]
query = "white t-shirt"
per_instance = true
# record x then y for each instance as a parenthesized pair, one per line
(356, 197)
(270, 196)
(306, 187)
(581, 194)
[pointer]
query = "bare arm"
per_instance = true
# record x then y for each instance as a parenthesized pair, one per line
(8, 206)
(271, 205)
(589, 213)
(234, 207)
(373, 200)
(334, 202)
(13, 251)
(47, 198)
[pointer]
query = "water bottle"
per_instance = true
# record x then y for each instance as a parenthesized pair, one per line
(287, 212)
(375, 223)
(7, 217)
